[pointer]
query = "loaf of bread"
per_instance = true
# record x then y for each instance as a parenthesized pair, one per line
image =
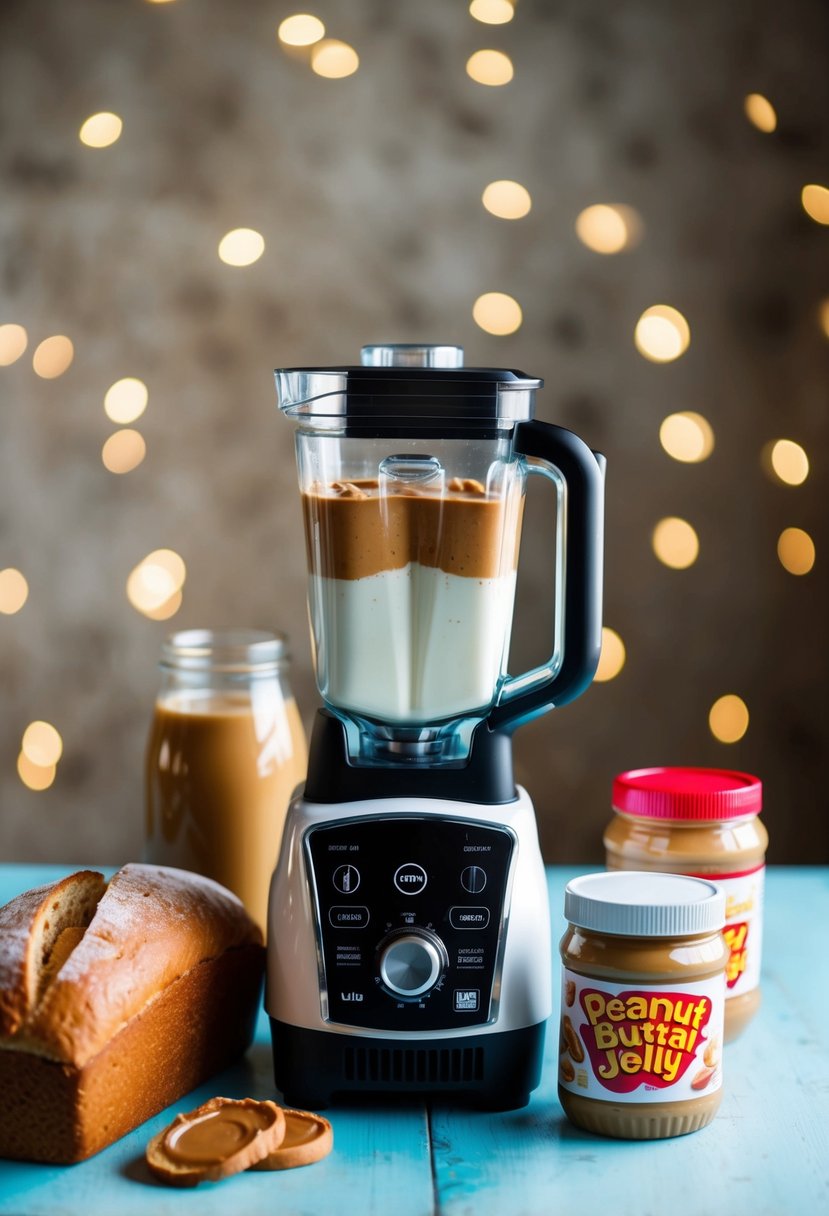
(115, 1000)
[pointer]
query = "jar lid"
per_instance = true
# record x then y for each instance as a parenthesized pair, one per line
(231, 651)
(687, 793)
(627, 903)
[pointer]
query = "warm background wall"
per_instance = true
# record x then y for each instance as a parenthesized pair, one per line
(367, 191)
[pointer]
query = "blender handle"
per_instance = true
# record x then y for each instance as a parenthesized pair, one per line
(578, 474)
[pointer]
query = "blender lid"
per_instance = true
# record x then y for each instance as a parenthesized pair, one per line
(411, 385)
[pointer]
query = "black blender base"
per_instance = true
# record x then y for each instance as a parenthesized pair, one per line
(495, 1071)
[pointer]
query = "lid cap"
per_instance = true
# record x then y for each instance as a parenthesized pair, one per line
(407, 390)
(627, 903)
(687, 793)
(410, 354)
(232, 651)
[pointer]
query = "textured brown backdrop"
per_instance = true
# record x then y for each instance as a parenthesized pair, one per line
(367, 191)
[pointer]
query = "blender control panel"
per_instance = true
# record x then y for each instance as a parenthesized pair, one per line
(410, 919)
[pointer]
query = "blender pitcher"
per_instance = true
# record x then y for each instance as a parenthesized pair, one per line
(413, 472)
(408, 945)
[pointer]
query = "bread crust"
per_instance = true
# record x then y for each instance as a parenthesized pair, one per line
(29, 926)
(57, 1113)
(153, 925)
(160, 992)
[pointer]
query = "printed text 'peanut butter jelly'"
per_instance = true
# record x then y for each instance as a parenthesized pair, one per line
(701, 821)
(643, 990)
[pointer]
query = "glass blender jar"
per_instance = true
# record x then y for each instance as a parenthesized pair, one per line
(413, 471)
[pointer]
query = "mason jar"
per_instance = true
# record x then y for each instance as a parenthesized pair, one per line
(226, 751)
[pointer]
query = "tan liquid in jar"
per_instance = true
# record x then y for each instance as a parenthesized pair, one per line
(221, 767)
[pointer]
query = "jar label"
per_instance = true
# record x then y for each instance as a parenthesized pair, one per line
(743, 930)
(641, 1044)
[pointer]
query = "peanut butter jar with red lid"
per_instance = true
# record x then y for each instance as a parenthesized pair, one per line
(642, 1004)
(703, 822)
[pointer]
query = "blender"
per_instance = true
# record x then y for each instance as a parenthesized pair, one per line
(408, 934)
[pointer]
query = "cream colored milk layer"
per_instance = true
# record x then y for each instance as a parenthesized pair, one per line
(411, 645)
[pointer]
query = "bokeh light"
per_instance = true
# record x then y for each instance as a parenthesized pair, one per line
(241, 247)
(815, 201)
(53, 356)
(497, 313)
(662, 334)
(42, 744)
(123, 451)
(609, 228)
(164, 611)
(675, 543)
(302, 29)
(687, 437)
(507, 199)
(823, 315)
(334, 59)
(13, 342)
(493, 68)
(760, 112)
(154, 585)
(35, 776)
(14, 591)
(126, 400)
(796, 551)
(171, 562)
(728, 718)
(101, 130)
(612, 657)
(786, 461)
(492, 12)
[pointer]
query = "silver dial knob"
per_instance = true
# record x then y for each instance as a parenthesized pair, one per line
(411, 963)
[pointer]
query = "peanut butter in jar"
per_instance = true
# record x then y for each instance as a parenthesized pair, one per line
(701, 822)
(643, 992)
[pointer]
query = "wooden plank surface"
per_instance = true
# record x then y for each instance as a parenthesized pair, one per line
(766, 1154)
(380, 1164)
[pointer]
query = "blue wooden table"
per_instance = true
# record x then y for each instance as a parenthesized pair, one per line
(766, 1153)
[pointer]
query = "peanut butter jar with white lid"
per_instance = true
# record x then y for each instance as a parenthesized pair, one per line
(643, 991)
(703, 822)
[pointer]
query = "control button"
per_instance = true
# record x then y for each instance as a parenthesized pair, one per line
(341, 916)
(410, 879)
(469, 918)
(473, 879)
(346, 879)
(410, 965)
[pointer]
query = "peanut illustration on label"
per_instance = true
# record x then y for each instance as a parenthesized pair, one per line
(568, 1072)
(569, 993)
(572, 1040)
(702, 1078)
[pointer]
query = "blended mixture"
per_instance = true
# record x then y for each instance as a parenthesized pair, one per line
(411, 595)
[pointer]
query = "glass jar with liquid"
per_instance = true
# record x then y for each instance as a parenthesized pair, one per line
(702, 822)
(226, 751)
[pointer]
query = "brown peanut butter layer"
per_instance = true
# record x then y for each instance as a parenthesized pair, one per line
(354, 531)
